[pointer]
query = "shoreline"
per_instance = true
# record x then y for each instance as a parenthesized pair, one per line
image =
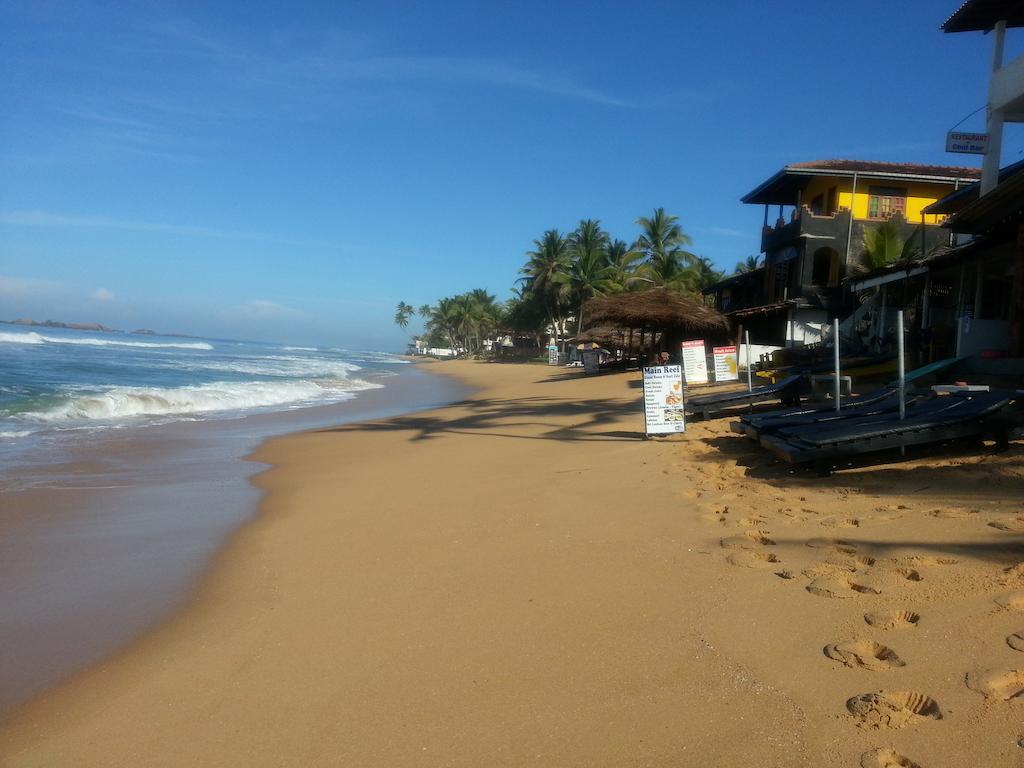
(109, 539)
(516, 578)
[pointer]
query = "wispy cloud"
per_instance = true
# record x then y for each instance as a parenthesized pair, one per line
(103, 294)
(262, 309)
(20, 288)
(57, 220)
(336, 57)
(727, 232)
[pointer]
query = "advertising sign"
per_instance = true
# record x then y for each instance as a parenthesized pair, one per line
(726, 368)
(663, 399)
(967, 143)
(591, 362)
(695, 363)
(552, 354)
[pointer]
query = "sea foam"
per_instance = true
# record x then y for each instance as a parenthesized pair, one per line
(123, 402)
(37, 338)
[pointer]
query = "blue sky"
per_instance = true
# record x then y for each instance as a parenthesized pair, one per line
(289, 172)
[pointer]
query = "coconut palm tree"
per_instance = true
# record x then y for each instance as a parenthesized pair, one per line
(402, 314)
(623, 262)
(749, 264)
(665, 260)
(590, 273)
(883, 245)
(704, 273)
(545, 274)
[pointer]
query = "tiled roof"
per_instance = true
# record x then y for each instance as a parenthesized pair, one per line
(874, 166)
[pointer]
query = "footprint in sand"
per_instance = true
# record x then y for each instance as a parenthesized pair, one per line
(889, 710)
(954, 513)
(927, 560)
(1013, 574)
(1001, 685)
(751, 522)
(1016, 640)
(829, 569)
(892, 619)
(786, 575)
(840, 522)
(884, 757)
(749, 558)
(749, 540)
(903, 574)
(1010, 525)
(864, 653)
(818, 543)
(1013, 601)
(839, 588)
(851, 561)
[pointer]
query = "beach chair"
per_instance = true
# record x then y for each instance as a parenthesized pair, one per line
(876, 402)
(787, 390)
(934, 420)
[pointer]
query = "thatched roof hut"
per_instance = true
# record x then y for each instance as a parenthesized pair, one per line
(656, 309)
(607, 336)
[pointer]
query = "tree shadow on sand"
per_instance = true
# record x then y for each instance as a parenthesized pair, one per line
(953, 470)
(515, 419)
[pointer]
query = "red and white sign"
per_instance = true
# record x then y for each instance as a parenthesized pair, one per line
(695, 363)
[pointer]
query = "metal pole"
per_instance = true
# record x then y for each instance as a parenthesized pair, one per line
(835, 354)
(750, 380)
(900, 363)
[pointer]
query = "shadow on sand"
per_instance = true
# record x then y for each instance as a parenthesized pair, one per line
(490, 417)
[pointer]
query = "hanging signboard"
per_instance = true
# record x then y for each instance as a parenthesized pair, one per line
(726, 368)
(590, 362)
(695, 363)
(663, 400)
(552, 354)
(967, 143)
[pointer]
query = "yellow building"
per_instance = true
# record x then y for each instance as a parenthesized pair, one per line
(815, 217)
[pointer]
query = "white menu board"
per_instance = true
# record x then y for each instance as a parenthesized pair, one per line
(725, 364)
(663, 399)
(552, 354)
(695, 363)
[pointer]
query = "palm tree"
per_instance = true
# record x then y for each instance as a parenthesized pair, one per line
(546, 274)
(623, 262)
(883, 245)
(590, 274)
(749, 264)
(402, 314)
(704, 273)
(665, 261)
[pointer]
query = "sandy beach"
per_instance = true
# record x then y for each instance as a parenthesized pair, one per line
(518, 579)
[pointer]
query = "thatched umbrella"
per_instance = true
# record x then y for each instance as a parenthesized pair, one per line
(657, 309)
(608, 336)
(668, 316)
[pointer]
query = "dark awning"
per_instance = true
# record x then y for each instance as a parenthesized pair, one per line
(1002, 205)
(982, 15)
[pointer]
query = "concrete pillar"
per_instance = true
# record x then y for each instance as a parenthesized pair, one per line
(990, 164)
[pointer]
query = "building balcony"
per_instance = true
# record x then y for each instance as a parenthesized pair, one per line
(803, 223)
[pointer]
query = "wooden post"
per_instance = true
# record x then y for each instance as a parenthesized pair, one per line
(1017, 318)
(835, 354)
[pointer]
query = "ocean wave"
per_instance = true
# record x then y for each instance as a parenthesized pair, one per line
(281, 365)
(124, 402)
(37, 338)
(301, 349)
(10, 435)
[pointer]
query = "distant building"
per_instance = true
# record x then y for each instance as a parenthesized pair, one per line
(815, 216)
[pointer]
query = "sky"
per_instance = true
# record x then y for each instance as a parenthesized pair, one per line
(291, 171)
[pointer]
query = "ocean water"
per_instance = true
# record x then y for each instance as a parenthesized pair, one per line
(54, 382)
(123, 473)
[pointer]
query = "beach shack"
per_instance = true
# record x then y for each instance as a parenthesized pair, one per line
(652, 321)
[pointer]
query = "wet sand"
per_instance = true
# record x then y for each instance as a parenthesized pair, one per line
(518, 579)
(105, 533)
